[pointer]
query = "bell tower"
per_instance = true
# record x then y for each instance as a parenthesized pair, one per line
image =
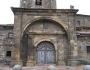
(44, 4)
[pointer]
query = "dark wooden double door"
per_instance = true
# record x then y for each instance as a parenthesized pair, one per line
(45, 53)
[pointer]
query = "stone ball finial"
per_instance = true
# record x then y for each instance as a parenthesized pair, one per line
(17, 67)
(86, 67)
(51, 67)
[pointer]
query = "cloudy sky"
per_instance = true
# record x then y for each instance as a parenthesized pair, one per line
(7, 17)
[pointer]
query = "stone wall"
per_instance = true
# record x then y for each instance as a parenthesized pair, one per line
(83, 31)
(5, 42)
(45, 4)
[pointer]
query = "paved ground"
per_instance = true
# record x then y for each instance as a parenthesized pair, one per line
(5, 67)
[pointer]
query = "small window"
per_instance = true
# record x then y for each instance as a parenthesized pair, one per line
(10, 35)
(88, 49)
(38, 2)
(78, 24)
(8, 53)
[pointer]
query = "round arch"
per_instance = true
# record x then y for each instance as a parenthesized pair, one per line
(46, 42)
(57, 21)
(41, 40)
(45, 18)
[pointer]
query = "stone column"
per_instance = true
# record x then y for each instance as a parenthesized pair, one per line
(61, 60)
(72, 40)
(30, 60)
(61, 50)
(17, 40)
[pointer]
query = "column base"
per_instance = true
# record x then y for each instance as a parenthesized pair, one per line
(30, 63)
(61, 63)
(73, 62)
(15, 62)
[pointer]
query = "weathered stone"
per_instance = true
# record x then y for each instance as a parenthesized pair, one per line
(68, 32)
(86, 67)
(51, 67)
(43, 4)
(17, 67)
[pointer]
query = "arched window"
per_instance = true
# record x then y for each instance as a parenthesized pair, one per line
(38, 2)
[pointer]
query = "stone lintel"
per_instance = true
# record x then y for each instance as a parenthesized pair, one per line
(40, 33)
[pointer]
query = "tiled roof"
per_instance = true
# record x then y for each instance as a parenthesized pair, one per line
(6, 24)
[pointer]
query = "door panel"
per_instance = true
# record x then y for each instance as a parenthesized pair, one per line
(50, 57)
(40, 57)
(45, 53)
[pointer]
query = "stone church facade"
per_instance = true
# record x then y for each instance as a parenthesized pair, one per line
(46, 35)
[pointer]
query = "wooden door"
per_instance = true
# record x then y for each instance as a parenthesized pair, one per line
(45, 53)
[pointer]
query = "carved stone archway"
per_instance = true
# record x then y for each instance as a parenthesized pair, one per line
(43, 30)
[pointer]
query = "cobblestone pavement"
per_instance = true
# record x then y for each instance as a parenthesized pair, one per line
(5, 67)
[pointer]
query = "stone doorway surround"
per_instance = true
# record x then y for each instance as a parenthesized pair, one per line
(47, 30)
(29, 20)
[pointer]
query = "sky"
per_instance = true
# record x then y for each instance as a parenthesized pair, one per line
(7, 16)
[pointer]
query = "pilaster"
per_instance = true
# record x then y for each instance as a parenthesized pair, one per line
(72, 40)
